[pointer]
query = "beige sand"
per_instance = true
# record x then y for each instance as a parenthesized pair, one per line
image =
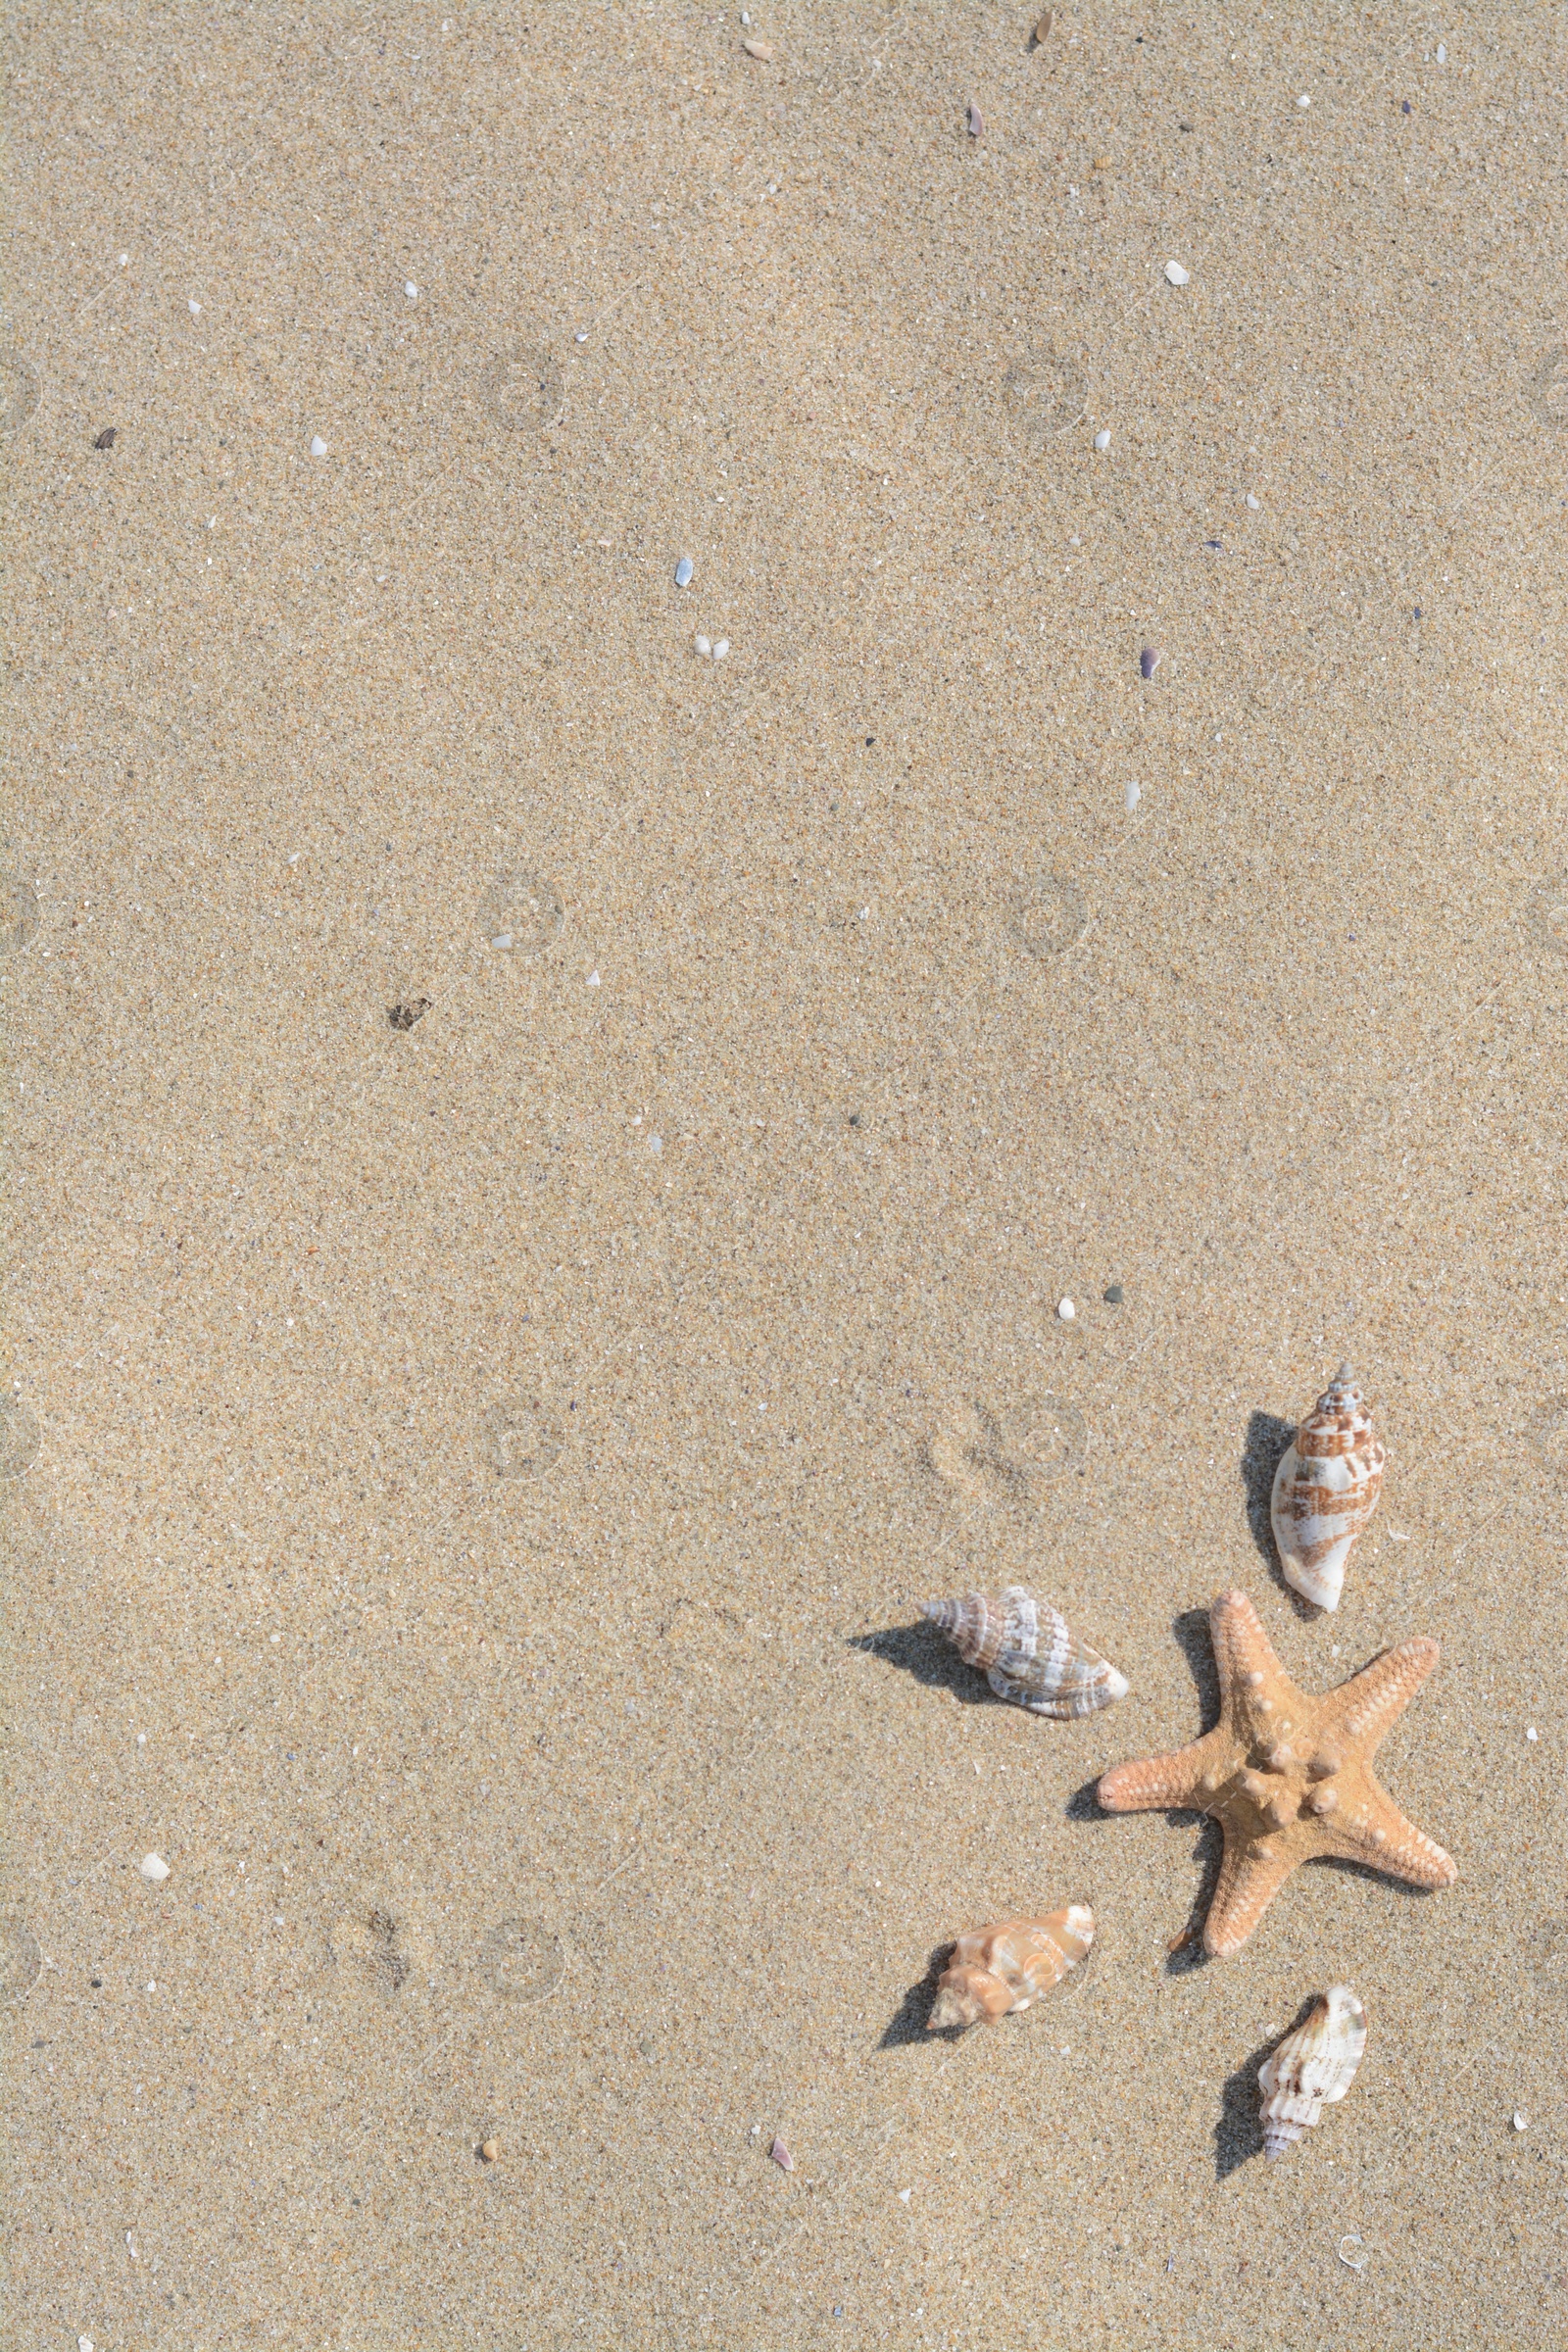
(487, 1470)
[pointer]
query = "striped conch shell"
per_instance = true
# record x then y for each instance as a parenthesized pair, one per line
(1326, 1490)
(1312, 2068)
(1027, 1652)
(996, 1970)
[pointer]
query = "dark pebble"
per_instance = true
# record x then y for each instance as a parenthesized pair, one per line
(1147, 662)
(1113, 1294)
(106, 439)
(1404, 106)
(403, 1016)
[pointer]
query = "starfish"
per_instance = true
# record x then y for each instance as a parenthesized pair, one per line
(1286, 1776)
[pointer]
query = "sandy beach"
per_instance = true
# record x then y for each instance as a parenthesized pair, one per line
(704, 712)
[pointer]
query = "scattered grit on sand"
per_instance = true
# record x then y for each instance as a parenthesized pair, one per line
(786, 816)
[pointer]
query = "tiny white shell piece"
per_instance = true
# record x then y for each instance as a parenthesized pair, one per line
(1312, 2068)
(154, 1868)
(1102, 443)
(1066, 1312)
(1028, 1652)
(1326, 1491)
(1177, 276)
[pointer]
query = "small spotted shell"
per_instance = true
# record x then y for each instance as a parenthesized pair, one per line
(1312, 2068)
(1326, 1490)
(1027, 1652)
(996, 1970)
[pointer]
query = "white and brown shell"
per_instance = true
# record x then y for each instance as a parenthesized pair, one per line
(996, 1970)
(1326, 1490)
(1027, 1652)
(1312, 2068)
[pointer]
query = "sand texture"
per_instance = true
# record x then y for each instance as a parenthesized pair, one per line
(543, 1163)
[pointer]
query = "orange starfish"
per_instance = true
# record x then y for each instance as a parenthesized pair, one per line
(1288, 1777)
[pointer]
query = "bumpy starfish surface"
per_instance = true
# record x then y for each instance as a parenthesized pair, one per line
(1287, 1777)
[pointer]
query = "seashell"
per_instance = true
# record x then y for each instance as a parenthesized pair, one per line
(996, 1970)
(1027, 1652)
(1312, 2068)
(1326, 1490)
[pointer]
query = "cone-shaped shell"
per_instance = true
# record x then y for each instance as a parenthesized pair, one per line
(1312, 2068)
(996, 1970)
(1326, 1490)
(1027, 1652)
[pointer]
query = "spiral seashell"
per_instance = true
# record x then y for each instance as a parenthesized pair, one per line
(996, 1970)
(1312, 2068)
(1326, 1490)
(1027, 1652)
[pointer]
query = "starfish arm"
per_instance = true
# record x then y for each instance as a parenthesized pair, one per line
(1249, 1878)
(1361, 1711)
(1154, 1783)
(1241, 1645)
(1387, 1840)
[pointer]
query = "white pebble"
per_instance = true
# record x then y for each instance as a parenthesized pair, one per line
(1443, 55)
(155, 1868)
(1134, 796)
(317, 446)
(582, 336)
(410, 289)
(1531, 1733)
(195, 310)
(1254, 502)
(502, 939)
(1176, 273)
(701, 646)
(656, 1142)
(721, 649)
(84, 2343)
(1304, 100)
(1521, 2121)
(1066, 1312)
(683, 573)
(593, 979)
(1101, 441)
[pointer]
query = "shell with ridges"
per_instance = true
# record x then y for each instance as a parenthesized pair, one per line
(996, 1970)
(1312, 2068)
(1027, 1652)
(1326, 1490)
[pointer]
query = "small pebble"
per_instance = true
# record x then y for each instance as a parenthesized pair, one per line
(1531, 1733)
(410, 289)
(1443, 55)
(154, 1868)
(701, 646)
(781, 2156)
(1304, 100)
(977, 122)
(1404, 106)
(1134, 796)
(582, 336)
(593, 979)
(1114, 1296)
(489, 2150)
(106, 439)
(1521, 2121)
(1147, 662)
(721, 649)
(1043, 29)
(1254, 502)
(1066, 1312)
(1101, 442)
(683, 573)
(1176, 273)
(195, 310)
(762, 50)
(317, 446)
